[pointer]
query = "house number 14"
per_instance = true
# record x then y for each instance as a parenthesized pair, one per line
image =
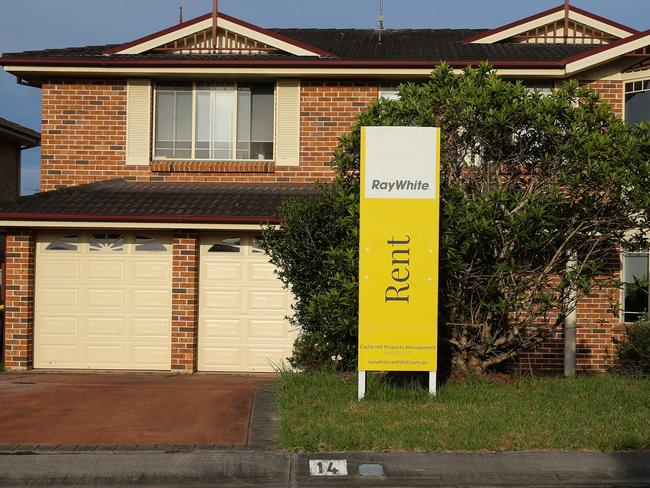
(322, 467)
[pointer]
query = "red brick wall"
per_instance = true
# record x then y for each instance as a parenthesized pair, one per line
(597, 327)
(19, 301)
(185, 299)
(610, 91)
(84, 135)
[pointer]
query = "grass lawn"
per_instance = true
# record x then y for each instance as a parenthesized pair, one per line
(319, 412)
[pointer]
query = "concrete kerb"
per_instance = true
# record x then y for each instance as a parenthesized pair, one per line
(279, 469)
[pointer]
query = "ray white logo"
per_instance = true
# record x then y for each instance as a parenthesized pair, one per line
(400, 162)
(399, 185)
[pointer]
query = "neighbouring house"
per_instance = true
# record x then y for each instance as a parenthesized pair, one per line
(14, 139)
(163, 157)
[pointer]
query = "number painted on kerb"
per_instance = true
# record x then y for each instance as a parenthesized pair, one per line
(328, 467)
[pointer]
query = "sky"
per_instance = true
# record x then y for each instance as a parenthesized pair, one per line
(41, 24)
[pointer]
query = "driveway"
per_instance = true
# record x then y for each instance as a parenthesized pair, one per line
(125, 409)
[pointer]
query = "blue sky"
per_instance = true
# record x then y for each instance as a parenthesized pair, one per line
(40, 24)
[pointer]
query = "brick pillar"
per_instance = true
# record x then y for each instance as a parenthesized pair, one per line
(19, 301)
(185, 300)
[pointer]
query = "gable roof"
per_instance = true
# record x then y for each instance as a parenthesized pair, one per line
(548, 16)
(331, 51)
(347, 47)
(226, 22)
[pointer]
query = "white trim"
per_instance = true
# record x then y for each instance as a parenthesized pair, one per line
(518, 29)
(224, 24)
(126, 225)
(635, 76)
(192, 72)
(553, 17)
(607, 55)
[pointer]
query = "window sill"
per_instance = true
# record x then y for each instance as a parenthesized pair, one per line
(212, 166)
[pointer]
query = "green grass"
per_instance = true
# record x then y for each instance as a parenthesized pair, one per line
(319, 412)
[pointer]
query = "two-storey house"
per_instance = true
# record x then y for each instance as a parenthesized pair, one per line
(162, 158)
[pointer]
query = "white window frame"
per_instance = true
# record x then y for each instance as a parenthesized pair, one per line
(623, 283)
(638, 77)
(235, 85)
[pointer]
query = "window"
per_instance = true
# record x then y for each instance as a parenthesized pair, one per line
(64, 243)
(147, 243)
(635, 285)
(214, 121)
(106, 242)
(229, 244)
(256, 245)
(637, 101)
(389, 91)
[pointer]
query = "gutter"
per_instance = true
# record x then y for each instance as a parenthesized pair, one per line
(297, 63)
(137, 218)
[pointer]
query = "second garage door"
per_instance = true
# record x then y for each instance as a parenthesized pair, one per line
(243, 307)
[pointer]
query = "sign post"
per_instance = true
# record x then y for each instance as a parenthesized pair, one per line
(399, 251)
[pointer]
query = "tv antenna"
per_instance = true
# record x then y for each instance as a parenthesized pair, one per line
(381, 18)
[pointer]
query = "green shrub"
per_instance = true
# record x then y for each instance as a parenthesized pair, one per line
(634, 350)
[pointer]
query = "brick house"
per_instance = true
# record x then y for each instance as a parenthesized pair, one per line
(162, 157)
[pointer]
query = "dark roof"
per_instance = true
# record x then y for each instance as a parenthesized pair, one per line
(133, 201)
(424, 45)
(12, 132)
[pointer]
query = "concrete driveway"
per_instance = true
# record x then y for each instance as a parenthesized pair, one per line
(125, 409)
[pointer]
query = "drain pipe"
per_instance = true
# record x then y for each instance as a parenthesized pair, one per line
(570, 324)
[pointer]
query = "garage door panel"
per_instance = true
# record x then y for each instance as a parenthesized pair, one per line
(222, 328)
(152, 271)
(221, 359)
(57, 356)
(105, 271)
(150, 299)
(264, 273)
(106, 356)
(266, 358)
(224, 299)
(112, 310)
(60, 270)
(268, 330)
(268, 301)
(108, 327)
(223, 272)
(150, 357)
(53, 298)
(106, 299)
(143, 327)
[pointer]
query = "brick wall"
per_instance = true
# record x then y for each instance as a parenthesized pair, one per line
(610, 91)
(185, 299)
(597, 328)
(19, 301)
(84, 135)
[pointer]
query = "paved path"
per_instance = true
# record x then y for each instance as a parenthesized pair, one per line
(125, 409)
(280, 470)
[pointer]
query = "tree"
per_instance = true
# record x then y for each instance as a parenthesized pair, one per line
(527, 181)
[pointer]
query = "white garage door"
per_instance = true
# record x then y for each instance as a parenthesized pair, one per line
(103, 301)
(243, 307)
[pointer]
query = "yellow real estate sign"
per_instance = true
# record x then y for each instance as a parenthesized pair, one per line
(398, 254)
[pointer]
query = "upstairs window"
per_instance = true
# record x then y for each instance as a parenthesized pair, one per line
(214, 121)
(637, 101)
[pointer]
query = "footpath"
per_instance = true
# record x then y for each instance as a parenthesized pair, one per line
(196, 466)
